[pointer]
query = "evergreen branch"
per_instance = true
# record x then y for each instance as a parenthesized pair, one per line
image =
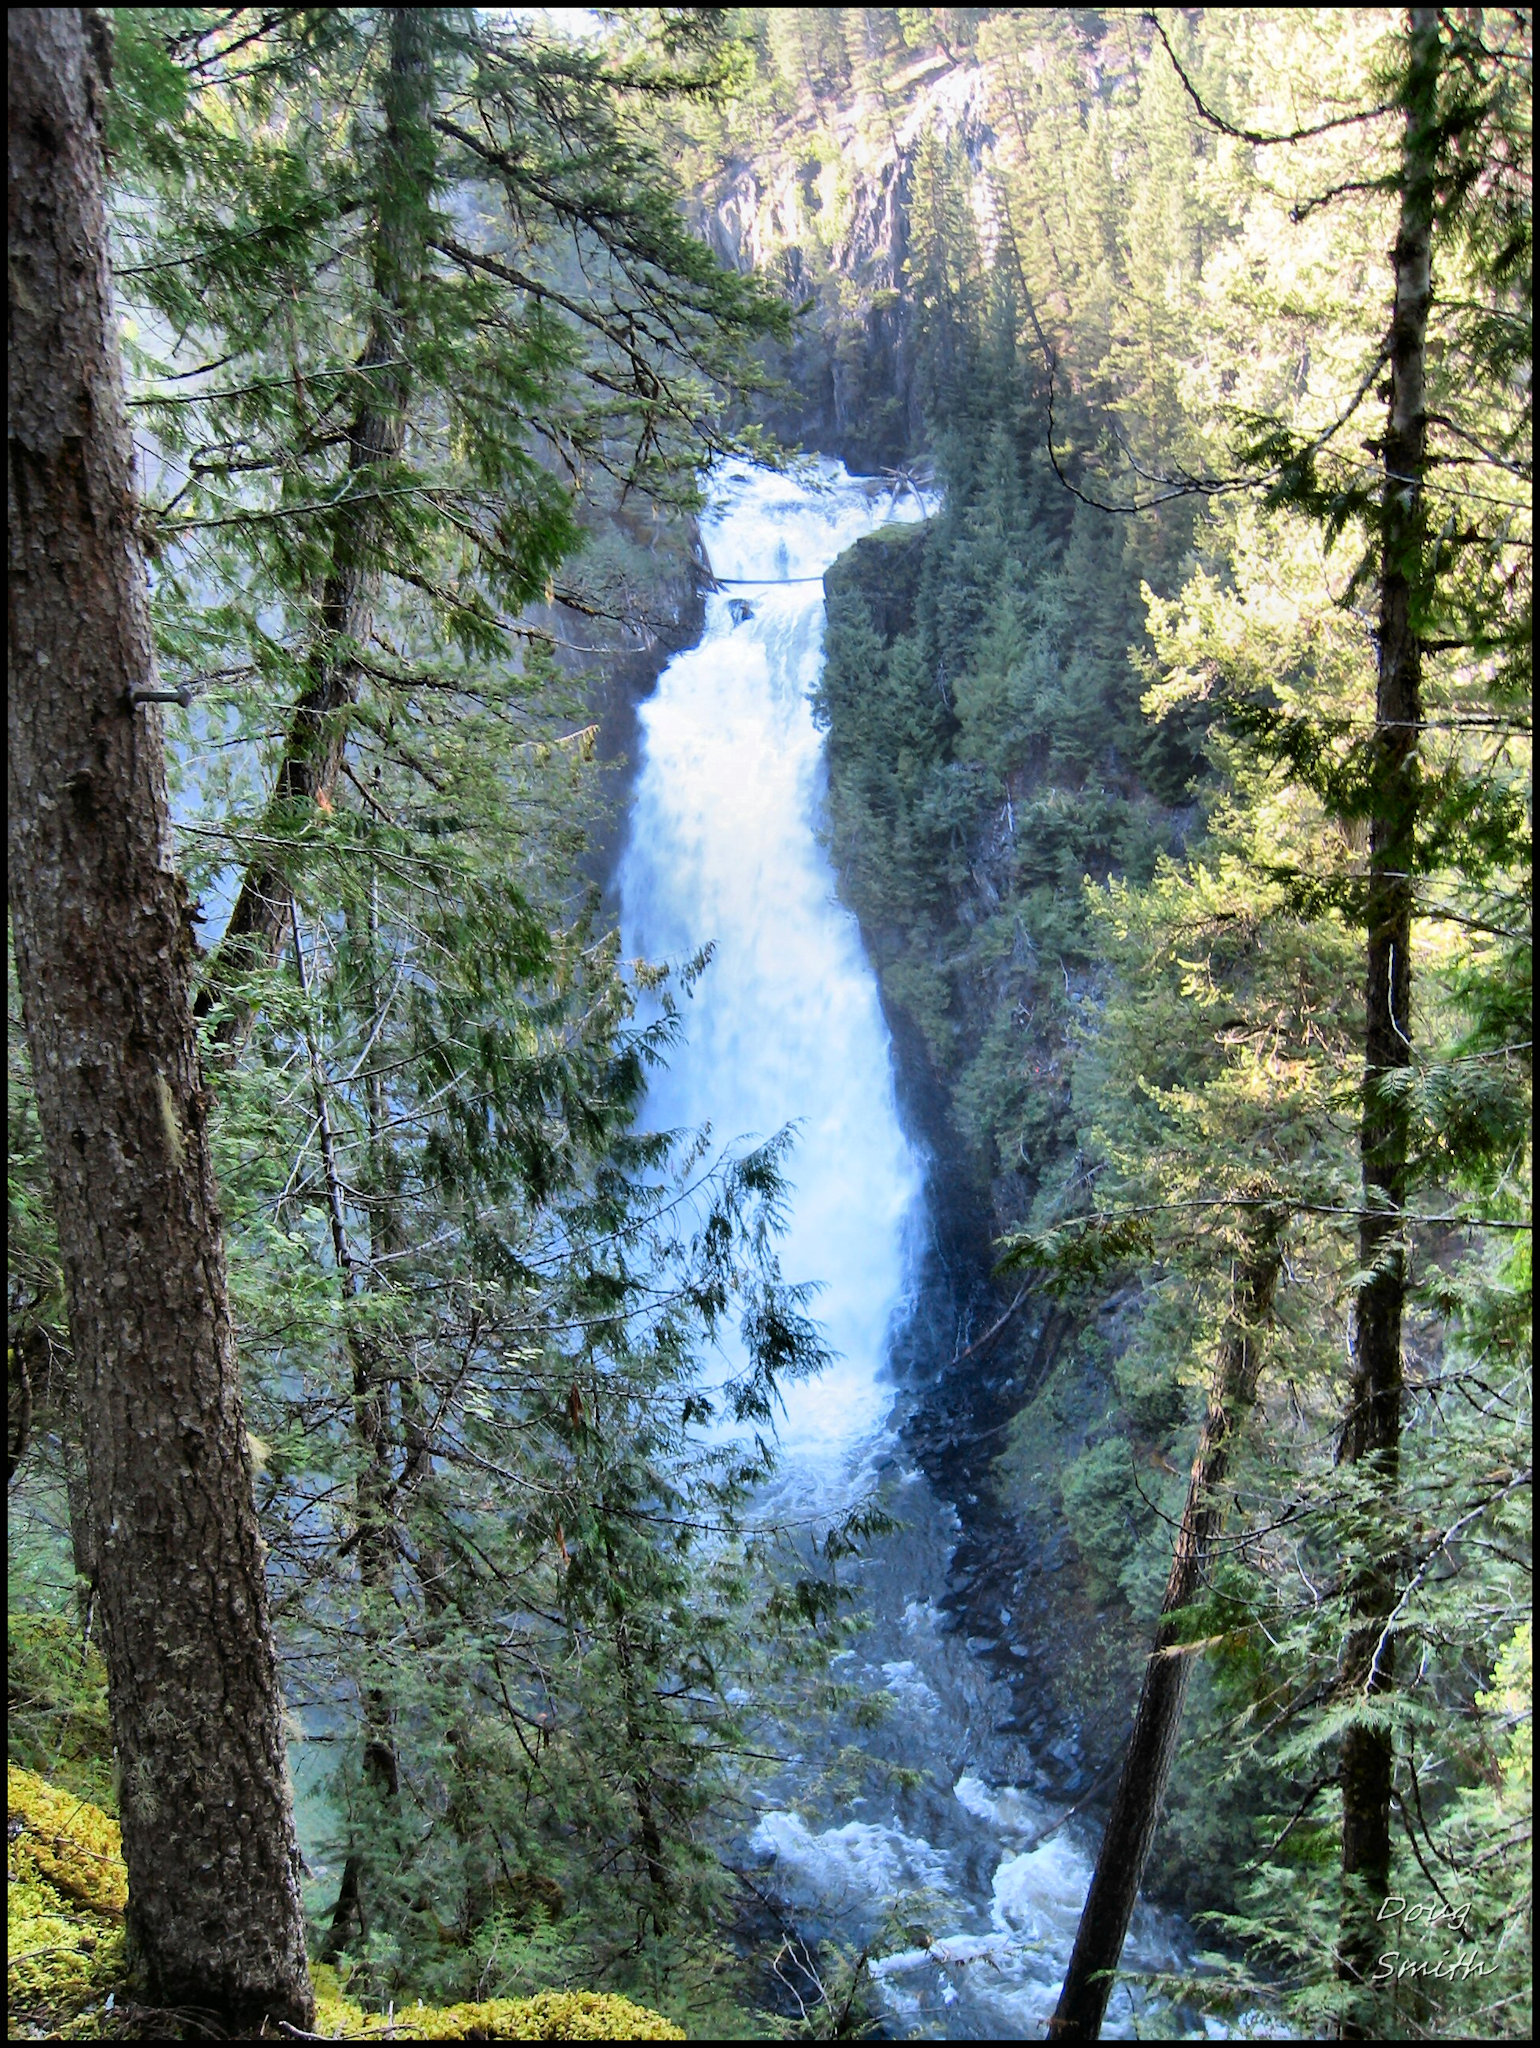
(234, 835)
(1329, 724)
(178, 45)
(455, 605)
(359, 369)
(1302, 209)
(647, 386)
(1349, 884)
(469, 259)
(1294, 1820)
(1252, 135)
(1475, 536)
(338, 504)
(256, 234)
(1213, 487)
(1511, 1484)
(341, 1249)
(373, 803)
(1522, 1833)
(1196, 487)
(178, 42)
(215, 458)
(1422, 1820)
(1523, 470)
(1279, 1201)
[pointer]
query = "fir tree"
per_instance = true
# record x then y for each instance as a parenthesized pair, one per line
(103, 960)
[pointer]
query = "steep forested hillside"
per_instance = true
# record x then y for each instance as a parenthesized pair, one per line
(1104, 791)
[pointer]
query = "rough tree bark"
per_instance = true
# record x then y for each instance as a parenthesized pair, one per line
(1141, 1787)
(104, 951)
(1371, 1435)
(318, 729)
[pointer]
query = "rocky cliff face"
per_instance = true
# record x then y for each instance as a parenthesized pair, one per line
(826, 210)
(985, 1358)
(645, 573)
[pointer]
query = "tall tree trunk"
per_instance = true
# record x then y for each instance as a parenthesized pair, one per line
(649, 1839)
(317, 738)
(1152, 1746)
(379, 1519)
(1371, 1435)
(104, 950)
(373, 1532)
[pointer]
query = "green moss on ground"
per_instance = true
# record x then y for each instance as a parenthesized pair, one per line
(548, 2016)
(65, 1893)
(66, 1977)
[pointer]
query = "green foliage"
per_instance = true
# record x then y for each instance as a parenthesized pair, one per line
(411, 307)
(983, 741)
(1099, 789)
(56, 1707)
(1080, 1254)
(1098, 1492)
(392, 317)
(560, 1547)
(1152, 1068)
(67, 1974)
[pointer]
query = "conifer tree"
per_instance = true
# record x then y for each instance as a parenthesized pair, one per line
(1372, 1428)
(402, 185)
(1152, 1744)
(103, 958)
(1449, 128)
(1208, 1089)
(558, 328)
(476, 1308)
(1461, 592)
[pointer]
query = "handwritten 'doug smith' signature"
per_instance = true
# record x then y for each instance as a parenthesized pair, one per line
(1463, 1961)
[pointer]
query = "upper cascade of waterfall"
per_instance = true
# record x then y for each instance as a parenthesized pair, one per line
(785, 1026)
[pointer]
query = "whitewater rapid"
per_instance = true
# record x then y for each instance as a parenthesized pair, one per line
(785, 1026)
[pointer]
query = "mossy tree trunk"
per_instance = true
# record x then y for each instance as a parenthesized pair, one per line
(104, 953)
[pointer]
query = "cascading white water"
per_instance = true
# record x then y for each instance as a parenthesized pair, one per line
(785, 1024)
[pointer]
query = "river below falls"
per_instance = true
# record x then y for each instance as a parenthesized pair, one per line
(971, 1905)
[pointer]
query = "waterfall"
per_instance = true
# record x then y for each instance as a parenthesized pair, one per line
(785, 1025)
